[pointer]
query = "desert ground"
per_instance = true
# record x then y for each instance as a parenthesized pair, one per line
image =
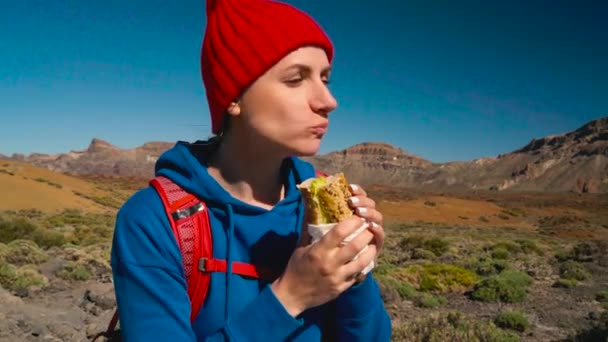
(457, 266)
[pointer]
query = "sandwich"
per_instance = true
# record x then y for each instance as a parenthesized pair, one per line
(326, 199)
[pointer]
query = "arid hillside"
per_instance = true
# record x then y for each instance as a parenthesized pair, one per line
(576, 161)
(25, 186)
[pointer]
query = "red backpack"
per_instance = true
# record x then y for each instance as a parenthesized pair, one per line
(189, 221)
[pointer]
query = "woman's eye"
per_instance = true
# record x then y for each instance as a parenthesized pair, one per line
(293, 81)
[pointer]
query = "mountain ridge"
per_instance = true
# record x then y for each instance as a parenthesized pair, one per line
(573, 161)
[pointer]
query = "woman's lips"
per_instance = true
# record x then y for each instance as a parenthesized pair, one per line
(319, 130)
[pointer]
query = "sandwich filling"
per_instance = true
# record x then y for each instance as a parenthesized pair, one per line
(326, 199)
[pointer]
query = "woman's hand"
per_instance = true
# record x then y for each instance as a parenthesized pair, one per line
(365, 207)
(318, 273)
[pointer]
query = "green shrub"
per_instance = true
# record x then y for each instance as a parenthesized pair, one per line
(429, 301)
(421, 253)
(383, 269)
(3, 253)
(562, 256)
(89, 235)
(406, 290)
(573, 270)
(602, 297)
(509, 286)
(31, 214)
(435, 245)
(513, 320)
(582, 252)
(23, 252)
(509, 246)
(74, 271)
(22, 228)
(440, 278)
(75, 217)
(47, 238)
(486, 267)
(529, 246)
(500, 253)
(17, 228)
(454, 326)
(85, 228)
(13, 278)
(565, 283)
(51, 183)
(108, 201)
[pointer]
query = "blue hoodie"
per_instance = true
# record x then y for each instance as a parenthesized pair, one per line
(149, 278)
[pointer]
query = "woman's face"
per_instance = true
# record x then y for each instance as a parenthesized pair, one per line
(289, 105)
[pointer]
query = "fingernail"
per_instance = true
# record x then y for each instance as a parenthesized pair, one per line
(354, 187)
(354, 200)
(362, 211)
(375, 225)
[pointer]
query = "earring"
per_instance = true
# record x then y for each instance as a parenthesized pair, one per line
(234, 108)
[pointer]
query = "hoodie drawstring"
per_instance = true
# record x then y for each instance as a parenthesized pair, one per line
(230, 213)
(299, 229)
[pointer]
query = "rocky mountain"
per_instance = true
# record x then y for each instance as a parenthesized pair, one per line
(375, 163)
(575, 161)
(102, 158)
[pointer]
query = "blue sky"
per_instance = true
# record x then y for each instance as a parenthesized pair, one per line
(441, 79)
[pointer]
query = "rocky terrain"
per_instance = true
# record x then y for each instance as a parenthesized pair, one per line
(102, 159)
(502, 268)
(576, 161)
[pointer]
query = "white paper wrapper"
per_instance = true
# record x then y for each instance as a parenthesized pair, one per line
(317, 231)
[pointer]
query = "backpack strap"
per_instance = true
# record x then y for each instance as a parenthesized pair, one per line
(190, 223)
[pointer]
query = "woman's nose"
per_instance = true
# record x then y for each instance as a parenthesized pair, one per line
(323, 102)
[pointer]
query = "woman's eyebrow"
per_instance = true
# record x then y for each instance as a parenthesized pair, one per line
(306, 68)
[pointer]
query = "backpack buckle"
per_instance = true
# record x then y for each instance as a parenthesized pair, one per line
(202, 264)
(187, 212)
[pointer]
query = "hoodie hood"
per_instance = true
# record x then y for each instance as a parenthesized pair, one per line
(185, 165)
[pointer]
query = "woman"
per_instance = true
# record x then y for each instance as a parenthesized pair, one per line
(265, 66)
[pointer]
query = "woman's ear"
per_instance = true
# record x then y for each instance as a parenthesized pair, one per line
(234, 109)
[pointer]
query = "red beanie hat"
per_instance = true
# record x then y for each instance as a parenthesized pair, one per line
(245, 38)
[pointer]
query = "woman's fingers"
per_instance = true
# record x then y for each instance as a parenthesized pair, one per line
(353, 269)
(364, 206)
(353, 247)
(356, 190)
(370, 214)
(341, 231)
(361, 201)
(379, 235)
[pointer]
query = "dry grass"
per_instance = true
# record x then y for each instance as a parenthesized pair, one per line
(450, 210)
(29, 187)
